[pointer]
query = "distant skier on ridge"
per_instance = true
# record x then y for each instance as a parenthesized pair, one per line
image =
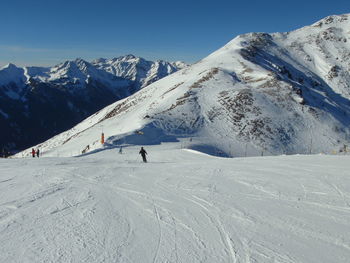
(33, 152)
(143, 154)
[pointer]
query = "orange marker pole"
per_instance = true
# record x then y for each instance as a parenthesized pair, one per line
(102, 138)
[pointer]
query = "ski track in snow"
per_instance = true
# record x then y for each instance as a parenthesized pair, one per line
(184, 207)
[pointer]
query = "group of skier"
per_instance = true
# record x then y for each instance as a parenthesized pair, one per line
(35, 152)
(142, 152)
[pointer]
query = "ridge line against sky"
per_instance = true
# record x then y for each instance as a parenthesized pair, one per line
(45, 33)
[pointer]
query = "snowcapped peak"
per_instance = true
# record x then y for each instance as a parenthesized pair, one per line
(137, 69)
(180, 64)
(72, 67)
(116, 72)
(237, 42)
(99, 60)
(71, 72)
(129, 56)
(332, 20)
(82, 64)
(11, 73)
(69, 64)
(80, 61)
(10, 66)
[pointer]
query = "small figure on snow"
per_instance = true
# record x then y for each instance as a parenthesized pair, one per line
(33, 152)
(121, 149)
(143, 154)
(37, 153)
(87, 148)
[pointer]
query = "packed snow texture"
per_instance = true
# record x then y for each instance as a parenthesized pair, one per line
(179, 207)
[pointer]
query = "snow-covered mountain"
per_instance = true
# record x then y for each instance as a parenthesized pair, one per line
(137, 69)
(261, 93)
(39, 102)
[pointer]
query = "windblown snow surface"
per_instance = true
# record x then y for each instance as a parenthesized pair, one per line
(182, 206)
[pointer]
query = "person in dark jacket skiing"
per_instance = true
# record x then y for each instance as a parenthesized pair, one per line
(37, 153)
(143, 154)
(33, 152)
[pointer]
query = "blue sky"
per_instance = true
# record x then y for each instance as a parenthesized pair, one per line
(39, 32)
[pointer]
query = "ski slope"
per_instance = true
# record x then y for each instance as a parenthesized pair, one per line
(182, 206)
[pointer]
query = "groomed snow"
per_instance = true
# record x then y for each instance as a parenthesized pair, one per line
(179, 207)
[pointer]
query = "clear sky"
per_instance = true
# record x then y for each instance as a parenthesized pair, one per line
(47, 32)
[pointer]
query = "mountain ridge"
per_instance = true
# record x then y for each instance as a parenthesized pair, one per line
(280, 93)
(38, 102)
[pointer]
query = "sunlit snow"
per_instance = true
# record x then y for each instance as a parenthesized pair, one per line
(179, 207)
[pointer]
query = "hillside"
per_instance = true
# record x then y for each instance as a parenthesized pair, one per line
(37, 103)
(281, 93)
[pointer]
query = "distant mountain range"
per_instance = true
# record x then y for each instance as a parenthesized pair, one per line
(281, 93)
(37, 103)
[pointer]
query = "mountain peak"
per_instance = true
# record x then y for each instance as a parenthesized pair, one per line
(333, 19)
(10, 66)
(129, 56)
(80, 60)
(12, 74)
(99, 60)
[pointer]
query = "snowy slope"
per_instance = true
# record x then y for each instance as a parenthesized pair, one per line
(281, 93)
(180, 207)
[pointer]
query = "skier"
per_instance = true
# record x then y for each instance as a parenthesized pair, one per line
(33, 152)
(37, 153)
(143, 154)
(121, 149)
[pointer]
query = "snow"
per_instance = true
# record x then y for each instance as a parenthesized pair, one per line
(11, 74)
(114, 74)
(179, 207)
(138, 69)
